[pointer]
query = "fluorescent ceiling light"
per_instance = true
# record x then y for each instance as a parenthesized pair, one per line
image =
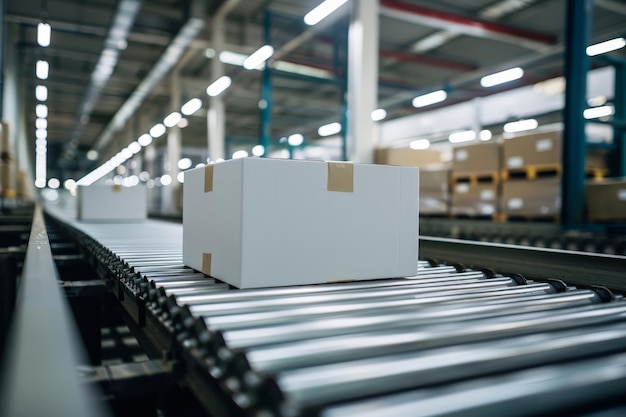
(232, 58)
(41, 123)
(322, 11)
(43, 34)
(379, 114)
(92, 155)
(218, 86)
(157, 130)
(462, 136)
(183, 123)
(295, 140)
(606, 46)
(302, 70)
(172, 119)
(209, 53)
(166, 179)
(597, 112)
(191, 106)
(502, 77)
(430, 98)
(434, 40)
(41, 70)
(240, 154)
(420, 144)
(258, 150)
(184, 163)
(41, 133)
(181, 177)
(69, 184)
(41, 110)
(259, 57)
(520, 126)
(134, 147)
(41, 93)
(54, 183)
(126, 154)
(485, 134)
(145, 139)
(40, 182)
(329, 129)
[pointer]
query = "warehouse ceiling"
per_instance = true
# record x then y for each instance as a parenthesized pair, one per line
(424, 45)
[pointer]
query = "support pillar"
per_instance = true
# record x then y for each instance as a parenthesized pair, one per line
(265, 104)
(216, 115)
(174, 144)
(362, 80)
(619, 131)
(578, 24)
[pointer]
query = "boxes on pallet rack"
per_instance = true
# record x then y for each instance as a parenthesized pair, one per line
(535, 154)
(434, 191)
(606, 200)
(474, 200)
(408, 157)
(477, 159)
(540, 198)
(541, 148)
(258, 222)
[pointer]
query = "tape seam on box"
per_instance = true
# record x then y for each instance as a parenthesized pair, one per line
(340, 177)
(208, 178)
(206, 263)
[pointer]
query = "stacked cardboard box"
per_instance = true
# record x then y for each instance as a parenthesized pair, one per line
(532, 199)
(434, 191)
(475, 200)
(474, 180)
(408, 157)
(532, 171)
(606, 200)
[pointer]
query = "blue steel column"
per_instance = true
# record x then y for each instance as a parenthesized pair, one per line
(577, 24)
(265, 124)
(619, 130)
(340, 58)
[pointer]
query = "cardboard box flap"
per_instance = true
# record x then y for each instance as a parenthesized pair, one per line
(340, 177)
(208, 178)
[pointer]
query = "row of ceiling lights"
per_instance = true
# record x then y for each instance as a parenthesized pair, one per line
(41, 110)
(254, 61)
(257, 61)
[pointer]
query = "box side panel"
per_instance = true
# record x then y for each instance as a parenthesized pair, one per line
(102, 203)
(297, 232)
(212, 221)
(541, 197)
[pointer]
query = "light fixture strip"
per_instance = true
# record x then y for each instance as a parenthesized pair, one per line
(258, 58)
(322, 11)
(502, 77)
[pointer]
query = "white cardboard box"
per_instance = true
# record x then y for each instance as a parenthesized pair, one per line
(112, 203)
(257, 222)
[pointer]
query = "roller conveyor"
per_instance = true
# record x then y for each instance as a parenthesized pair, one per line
(389, 346)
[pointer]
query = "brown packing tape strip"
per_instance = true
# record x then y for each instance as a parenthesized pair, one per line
(117, 188)
(208, 178)
(340, 177)
(206, 263)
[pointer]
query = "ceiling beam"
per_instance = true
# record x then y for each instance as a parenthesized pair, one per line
(465, 25)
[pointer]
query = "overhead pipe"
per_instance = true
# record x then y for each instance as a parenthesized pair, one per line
(115, 42)
(166, 62)
(465, 25)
